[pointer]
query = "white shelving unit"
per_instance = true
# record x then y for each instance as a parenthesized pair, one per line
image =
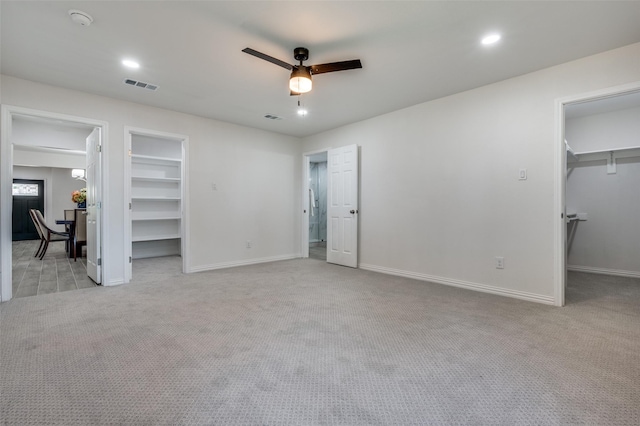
(156, 196)
(609, 155)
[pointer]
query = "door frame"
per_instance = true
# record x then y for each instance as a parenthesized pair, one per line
(560, 180)
(306, 161)
(184, 173)
(6, 178)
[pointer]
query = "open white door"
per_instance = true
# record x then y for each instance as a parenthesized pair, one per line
(94, 207)
(342, 211)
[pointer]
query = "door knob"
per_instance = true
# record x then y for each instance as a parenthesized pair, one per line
(352, 211)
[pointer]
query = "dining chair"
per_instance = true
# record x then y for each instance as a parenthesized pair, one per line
(80, 232)
(32, 213)
(49, 234)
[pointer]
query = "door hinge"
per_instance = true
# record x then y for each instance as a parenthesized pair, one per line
(99, 204)
(98, 148)
(129, 153)
(129, 206)
(129, 259)
(99, 262)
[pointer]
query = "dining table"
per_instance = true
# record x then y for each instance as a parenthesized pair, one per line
(70, 225)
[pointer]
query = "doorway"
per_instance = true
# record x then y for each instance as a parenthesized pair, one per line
(318, 206)
(155, 192)
(49, 153)
(27, 194)
(599, 206)
(342, 199)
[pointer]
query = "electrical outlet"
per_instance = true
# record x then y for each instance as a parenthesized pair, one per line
(499, 262)
(522, 175)
(248, 244)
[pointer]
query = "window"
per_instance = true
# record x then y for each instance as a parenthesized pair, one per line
(25, 189)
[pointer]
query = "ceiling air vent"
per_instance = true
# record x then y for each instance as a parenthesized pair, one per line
(272, 117)
(141, 84)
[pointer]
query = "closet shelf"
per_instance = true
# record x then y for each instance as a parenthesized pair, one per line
(155, 179)
(608, 155)
(603, 154)
(570, 153)
(148, 198)
(155, 216)
(155, 237)
(150, 159)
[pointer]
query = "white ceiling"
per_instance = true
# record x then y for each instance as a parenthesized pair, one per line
(411, 52)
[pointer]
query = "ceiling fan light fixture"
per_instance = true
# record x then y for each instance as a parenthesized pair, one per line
(300, 81)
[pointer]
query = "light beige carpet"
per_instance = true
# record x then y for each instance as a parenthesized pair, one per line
(302, 342)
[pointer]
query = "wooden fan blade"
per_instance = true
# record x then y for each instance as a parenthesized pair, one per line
(268, 58)
(336, 66)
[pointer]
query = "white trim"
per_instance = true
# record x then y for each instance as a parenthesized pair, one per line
(6, 173)
(6, 206)
(522, 295)
(126, 191)
(604, 271)
(304, 234)
(184, 222)
(559, 221)
(233, 264)
(559, 197)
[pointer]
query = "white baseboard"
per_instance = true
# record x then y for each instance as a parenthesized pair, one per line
(531, 297)
(114, 282)
(233, 264)
(604, 271)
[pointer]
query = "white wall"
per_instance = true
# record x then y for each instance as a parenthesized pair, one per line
(256, 173)
(58, 186)
(440, 195)
(609, 240)
(32, 133)
(33, 158)
(617, 129)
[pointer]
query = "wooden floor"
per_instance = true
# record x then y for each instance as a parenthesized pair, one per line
(54, 273)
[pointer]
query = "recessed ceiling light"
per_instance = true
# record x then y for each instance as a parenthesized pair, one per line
(491, 39)
(302, 112)
(130, 64)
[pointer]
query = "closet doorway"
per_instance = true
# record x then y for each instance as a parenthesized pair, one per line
(155, 196)
(601, 198)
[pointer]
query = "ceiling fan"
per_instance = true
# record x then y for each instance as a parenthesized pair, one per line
(300, 81)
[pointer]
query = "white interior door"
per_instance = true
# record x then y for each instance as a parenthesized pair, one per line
(94, 207)
(342, 209)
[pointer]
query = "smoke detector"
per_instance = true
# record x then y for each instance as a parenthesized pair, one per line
(80, 17)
